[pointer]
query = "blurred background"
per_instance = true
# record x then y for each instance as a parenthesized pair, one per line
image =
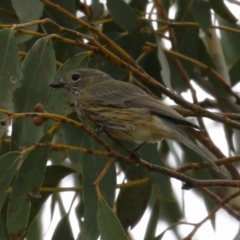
(186, 53)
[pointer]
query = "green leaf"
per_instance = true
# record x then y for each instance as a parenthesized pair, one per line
(153, 220)
(189, 155)
(38, 70)
(58, 17)
(3, 232)
(9, 15)
(138, 5)
(108, 224)
(5, 145)
(202, 13)
(74, 136)
(104, 65)
(27, 183)
(27, 10)
(97, 9)
(222, 10)
(91, 168)
(53, 175)
(8, 167)
(130, 21)
(231, 49)
(165, 71)
(36, 229)
(63, 230)
(63, 50)
(10, 72)
(184, 46)
(150, 154)
(58, 156)
(132, 202)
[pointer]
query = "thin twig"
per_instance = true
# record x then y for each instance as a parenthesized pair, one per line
(216, 208)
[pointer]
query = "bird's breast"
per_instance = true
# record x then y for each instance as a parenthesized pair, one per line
(135, 124)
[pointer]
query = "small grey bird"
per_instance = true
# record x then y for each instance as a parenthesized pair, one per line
(125, 111)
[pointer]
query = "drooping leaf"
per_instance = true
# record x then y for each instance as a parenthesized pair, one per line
(27, 10)
(9, 15)
(108, 224)
(91, 167)
(63, 229)
(53, 175)
(3, 232)
(132, 202)
(130, 21)
(222, 10)
(10, 72)
(150, 153)
(97, 9)
(38, 71)
(8, 167)
(73, 136)
(62, 50)
(27, 184)
(231, 48)
(202, 13)
(153, 220)
(165, 70)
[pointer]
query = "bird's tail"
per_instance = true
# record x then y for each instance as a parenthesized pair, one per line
(183, 138)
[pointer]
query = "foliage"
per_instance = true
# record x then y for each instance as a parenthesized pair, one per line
(42, 41)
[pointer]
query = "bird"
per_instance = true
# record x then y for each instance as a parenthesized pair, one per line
(125, 111)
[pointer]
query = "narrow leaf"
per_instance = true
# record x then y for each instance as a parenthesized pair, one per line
(165, 70)
(53, 175)
(38, 70)
(202, 13)
(222, 10)
(63, 230)
(8, 166)
(27, 183)
(92, 166)
(28, 10)
(130, 21)
(108, 224)
(10, 71)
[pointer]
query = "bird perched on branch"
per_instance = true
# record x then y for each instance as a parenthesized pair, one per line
(125, 111)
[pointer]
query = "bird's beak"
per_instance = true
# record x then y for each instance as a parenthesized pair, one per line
(57, 85)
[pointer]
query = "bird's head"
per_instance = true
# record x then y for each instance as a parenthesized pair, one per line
(79, 79)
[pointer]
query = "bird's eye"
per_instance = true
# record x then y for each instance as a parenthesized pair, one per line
(75, 77)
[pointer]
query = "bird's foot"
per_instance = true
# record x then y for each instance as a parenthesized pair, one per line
(136, 157)
(100, 128)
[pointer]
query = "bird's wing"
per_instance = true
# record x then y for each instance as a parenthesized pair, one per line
(133, 97)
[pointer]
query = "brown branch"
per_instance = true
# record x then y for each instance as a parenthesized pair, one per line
(189, 182)
(208, 143)
(219, 162)
(197, 110)
(95, 31)
(58, 118)
(218, 200)
(57, 146)
(10, 14)
(206, 68)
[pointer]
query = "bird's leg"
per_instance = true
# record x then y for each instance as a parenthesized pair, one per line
(135, 154)
(139, 146)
